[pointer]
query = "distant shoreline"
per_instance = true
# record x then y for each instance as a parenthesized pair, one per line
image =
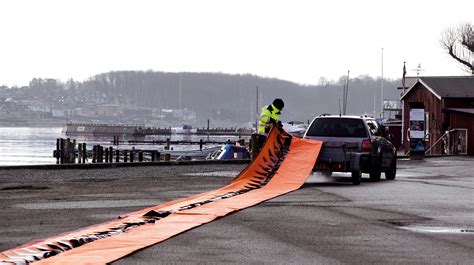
(31, 123)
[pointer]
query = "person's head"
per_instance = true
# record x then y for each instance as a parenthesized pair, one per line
(278, 103)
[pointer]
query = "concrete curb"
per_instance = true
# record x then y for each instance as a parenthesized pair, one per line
(134, 164)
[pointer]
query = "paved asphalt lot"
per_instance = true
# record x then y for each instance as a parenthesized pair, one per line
(425, 216)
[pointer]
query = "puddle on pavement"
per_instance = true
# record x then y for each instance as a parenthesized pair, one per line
(25, 187)
(226, 174)
(445, 230)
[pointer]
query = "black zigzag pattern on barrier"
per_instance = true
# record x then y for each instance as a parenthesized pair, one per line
(266, 172)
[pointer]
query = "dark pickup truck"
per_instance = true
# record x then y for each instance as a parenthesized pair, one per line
(355, 144)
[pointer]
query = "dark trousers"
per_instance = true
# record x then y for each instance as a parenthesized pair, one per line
(260, 141)
(257, 141)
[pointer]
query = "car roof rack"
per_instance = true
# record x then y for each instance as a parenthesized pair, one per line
(324, 114)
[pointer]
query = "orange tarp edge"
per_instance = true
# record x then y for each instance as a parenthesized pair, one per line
(282, 166)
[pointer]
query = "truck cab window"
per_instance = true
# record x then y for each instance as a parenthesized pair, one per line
(374, 128)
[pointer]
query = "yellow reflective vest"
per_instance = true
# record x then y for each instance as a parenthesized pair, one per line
(268, 112)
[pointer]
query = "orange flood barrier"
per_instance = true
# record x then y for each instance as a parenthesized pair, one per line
(282, 166)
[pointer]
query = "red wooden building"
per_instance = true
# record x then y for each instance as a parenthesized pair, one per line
(448, 105)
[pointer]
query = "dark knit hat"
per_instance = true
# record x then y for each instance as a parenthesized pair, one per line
(278, 103)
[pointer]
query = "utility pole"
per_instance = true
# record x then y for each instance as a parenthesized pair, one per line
(381, 92)
(256, 111)
(346, 92)
(136, 98)
(374, 101)
(180, 91)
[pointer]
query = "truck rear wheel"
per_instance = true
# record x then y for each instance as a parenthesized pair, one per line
(356, 177)
(375, 174)
(376, 169)
(391, 173)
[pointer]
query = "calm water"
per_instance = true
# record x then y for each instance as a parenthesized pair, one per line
(35, 146)
(28, 146)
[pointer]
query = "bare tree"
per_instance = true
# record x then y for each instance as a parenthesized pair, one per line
(459, 43)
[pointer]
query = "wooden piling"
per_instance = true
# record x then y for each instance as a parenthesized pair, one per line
(106, 155)
(140, 156)
(168, 143)
(100, 155)
(200, 144)
(84, 153)
(167, 157)
(73, 151)
(79, 153)
(125, 156)
(61, 151)
(58, 150)
(111, 154)
(94, 154)
(66, 151)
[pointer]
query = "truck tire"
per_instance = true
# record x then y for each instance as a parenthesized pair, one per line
(391, 173)
(356, 177)
(326, 173)
(375, 174)
(376, 170)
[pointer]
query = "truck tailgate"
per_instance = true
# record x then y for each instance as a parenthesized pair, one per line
(335, 151)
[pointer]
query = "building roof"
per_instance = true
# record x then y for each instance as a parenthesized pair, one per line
(447, 86)
(467, 111)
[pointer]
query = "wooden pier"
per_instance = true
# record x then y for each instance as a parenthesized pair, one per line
(70, 152)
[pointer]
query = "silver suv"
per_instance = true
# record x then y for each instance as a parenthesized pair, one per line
(356, 144)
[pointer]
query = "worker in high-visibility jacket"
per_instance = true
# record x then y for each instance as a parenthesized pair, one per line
(269, 116)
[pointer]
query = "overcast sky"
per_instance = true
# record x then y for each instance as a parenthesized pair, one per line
(294, 40)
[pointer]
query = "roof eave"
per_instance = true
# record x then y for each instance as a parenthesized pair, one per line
(425, 85)
(430, 89)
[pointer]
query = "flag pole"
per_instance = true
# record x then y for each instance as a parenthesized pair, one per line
(403, 77)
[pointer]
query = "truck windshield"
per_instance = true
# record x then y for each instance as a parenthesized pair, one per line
(337, 127)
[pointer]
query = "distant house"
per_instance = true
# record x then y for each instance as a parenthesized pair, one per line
(37, 109)
(61, 112)
(88, 111)
(109, 110)
(11, 109)
(448, 106)
(182, 114)
(38, 106)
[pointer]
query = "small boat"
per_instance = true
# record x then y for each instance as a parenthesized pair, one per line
(295, 128)
(230, 152)
(190, 154)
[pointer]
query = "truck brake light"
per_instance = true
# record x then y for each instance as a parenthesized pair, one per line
(366, 146)
(339, 166)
